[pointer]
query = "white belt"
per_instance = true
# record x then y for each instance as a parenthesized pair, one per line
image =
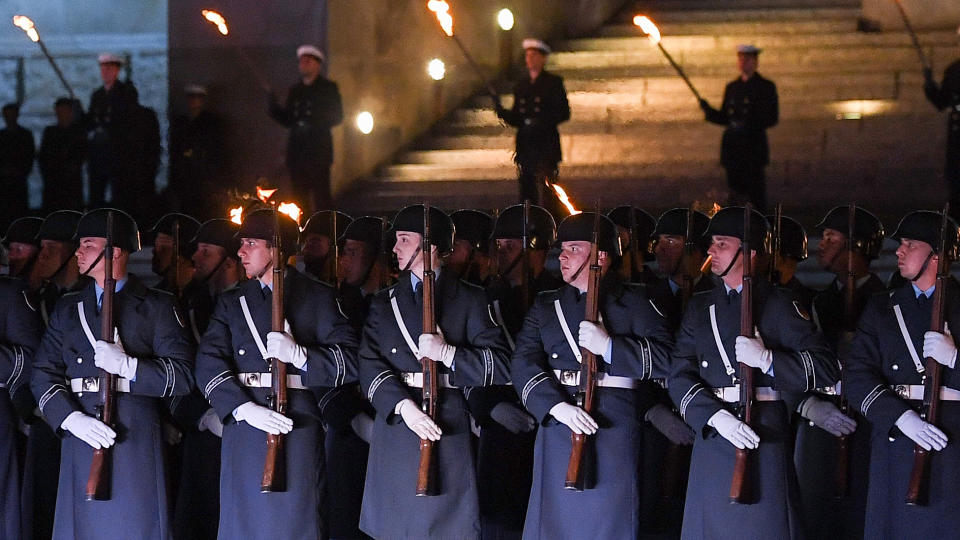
(92, 384)
(265, 380)
(415, 379)
(571, 377)
(731, 394)
(915, 392)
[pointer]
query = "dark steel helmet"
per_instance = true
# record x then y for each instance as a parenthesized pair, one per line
(473, 226)
(93, 224)
(367, 229)
(410, 219)
(729, 222)
(643, 225)
(219, 232)
(188, 229)
(673, 222)
(23, 231)
(260, 224)
(59, 226)
(924, 225)
(579, 227)
(867, 229)
(541, 227)
(321, 223)
(793, 237)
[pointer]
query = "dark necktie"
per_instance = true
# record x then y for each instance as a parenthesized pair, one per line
(733, 297)
(923, 301)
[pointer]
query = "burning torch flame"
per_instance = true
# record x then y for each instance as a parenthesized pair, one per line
(216, 19)
(442, 9)
(25, 24)
(265, 194)
(648, 27)
(714, 209)
(562, 195)
(236, 215)
(290, 209)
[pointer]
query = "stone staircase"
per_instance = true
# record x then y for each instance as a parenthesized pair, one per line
(854, 124)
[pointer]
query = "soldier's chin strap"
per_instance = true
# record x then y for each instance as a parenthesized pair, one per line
(732, 262)
(577, 274)
(923, 268)
(412, 258)
(92, 265)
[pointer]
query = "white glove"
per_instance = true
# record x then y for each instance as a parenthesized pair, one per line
(362, 425)
(89, 430)
(210, 421)
(280, 345)
(940, 347)
(752, 352)
(512, 417)
(924, 434)
(433, 346)
(593, 337)
(263, 418)
(418, 421)
(826, 416)
(574, 418)
(110, 357)
(671, 425)
(732, 429)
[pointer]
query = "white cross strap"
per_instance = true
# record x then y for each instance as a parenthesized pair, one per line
(566, 331)
(716, 337)
(252, 327)
(403, 328)
(906, 338)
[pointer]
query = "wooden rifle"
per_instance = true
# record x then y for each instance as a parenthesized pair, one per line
(689, 280)
(100, 478)
(427, 471)
(333, 254)
(175, 283)
(918, 492)
(775, 276)
(576, 479)
(525, 256)
(274, 467)
(741, 491)
(841, 471)
(636, 258)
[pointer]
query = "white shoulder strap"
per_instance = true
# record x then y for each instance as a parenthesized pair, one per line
(252, 327)
(716, 337)
(403, 328)
(85, 324)
(906, 338)
(566, 331)
(499, 320)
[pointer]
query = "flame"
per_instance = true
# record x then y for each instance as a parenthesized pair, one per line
(24, 23)
(714, 209)
(290, 209)
(265, 194)
(442, 10)
(648, 27)
(216, 19)
(562, 195)
(236, 215)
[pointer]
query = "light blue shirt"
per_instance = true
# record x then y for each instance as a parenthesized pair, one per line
(99, 290)
(740, 290)
(928, 293)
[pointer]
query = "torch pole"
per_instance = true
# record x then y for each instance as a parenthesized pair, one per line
(474, 65)
(253, 69)
(679, 71)
(56, 68)
(913, 35)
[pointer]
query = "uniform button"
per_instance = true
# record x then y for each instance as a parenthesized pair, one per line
(554, 355)
(393, 350)
(241, 352)
(79, 360)
(894, 367)
(811, 423)
(79, 394)
(704, 364)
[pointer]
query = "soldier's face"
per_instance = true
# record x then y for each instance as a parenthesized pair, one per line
(573, 255)
(507, 251)
(206, 258)
(19, 255)
(255, 256)
(309, 66)
(406, 248)
(355, 259)
(162, 253)
(831, 251)
(458, 259)
(668, 251)
(109, 73)
(747, 63)
(911, 255)
(52, 255)
(723, 249)
(89, 251)
(64, 115)
(315, 247)
(535, 59)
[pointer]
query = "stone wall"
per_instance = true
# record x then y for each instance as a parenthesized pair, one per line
(923, 14)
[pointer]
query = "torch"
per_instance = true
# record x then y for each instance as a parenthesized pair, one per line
(221, 23)
(24, 23)
(442, 11)
(653, 33)
(913, 35)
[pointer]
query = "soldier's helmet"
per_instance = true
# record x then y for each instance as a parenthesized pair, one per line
(59, 226)
(673, 222)
(579, 228)
(367, 229)
(793, 237)
(473, 226)
(93, 224)
(188, 229)
(260, 225)
(925, 225)
(641, 225)
(729, 222)
(541, 227)
(867, 229)
(323, 222)
(410, 219)
(23, 231)
(218, 232)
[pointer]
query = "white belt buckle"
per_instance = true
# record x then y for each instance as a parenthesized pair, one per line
(90, 384)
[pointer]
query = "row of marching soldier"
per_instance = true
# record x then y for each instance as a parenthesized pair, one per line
(573, 391)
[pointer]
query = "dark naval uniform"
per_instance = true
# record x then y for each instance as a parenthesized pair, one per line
(538, 107)
(388, 367)
(231, 369)
(111, 119)
(196, 164)
(544, 369)
(310, 112)
(749, 108)
(705, 360)
(16, 162)
(20, 329)
(882, 380)
(946, 95)
(64, 377)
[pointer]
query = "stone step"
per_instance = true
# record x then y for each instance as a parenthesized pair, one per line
(738, 12)
(844, 22)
